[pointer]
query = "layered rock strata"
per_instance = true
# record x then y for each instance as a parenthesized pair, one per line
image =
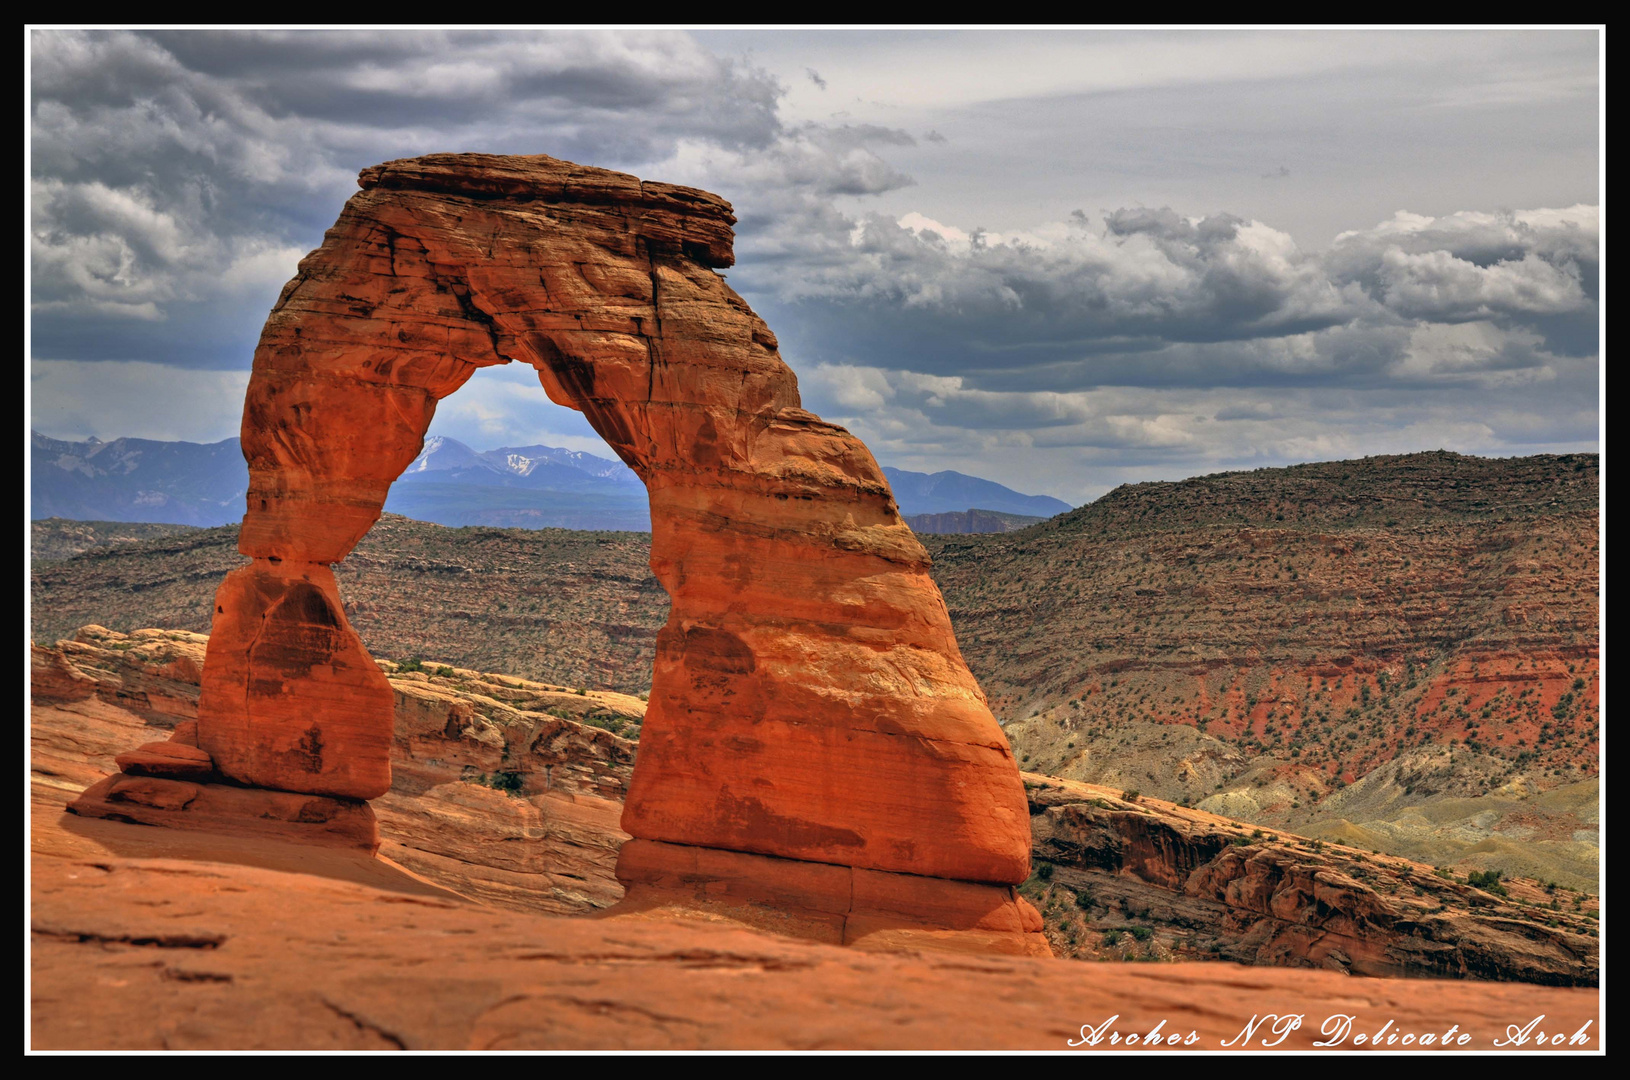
(505, 791)
(1144, 879)
(809, 701)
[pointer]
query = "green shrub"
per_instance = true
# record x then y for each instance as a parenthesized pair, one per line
(1131, 795)
(1113, 937)
(412, 663)
(1044, 872)
(507, 782)
(1142, 933)
(1488, 881)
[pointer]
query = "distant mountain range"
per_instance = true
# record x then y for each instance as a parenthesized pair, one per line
(519, 487)
(178, 483)
(952, 492)
(531, 487)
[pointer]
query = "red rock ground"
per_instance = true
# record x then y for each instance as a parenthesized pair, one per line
(150, 939)
(147, 938)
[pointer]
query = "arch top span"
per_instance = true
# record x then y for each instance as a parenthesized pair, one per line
(808, 700)
(696, 222)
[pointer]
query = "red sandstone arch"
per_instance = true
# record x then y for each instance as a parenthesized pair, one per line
(808, 701)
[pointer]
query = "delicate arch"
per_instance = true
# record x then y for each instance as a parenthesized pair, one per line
(808, 699)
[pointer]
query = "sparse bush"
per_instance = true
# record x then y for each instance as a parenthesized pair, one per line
(1130, 795)
(1141, 933)
(509, 783)
(412, 663)
(1488, 881)
(1112, 937)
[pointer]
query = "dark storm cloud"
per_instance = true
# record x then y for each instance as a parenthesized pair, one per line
(1147, 279)
(180, 174)
(650, 81)
(1537, 269)
(1155, 298)
(178, 177)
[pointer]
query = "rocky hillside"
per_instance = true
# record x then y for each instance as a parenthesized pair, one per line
(557, 605)
(55, 539)
(1382, 651)
(1395, 653)
(1122, 876)
(970, 521)
(507, 792)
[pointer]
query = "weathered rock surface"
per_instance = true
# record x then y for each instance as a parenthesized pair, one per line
(808, 698)
(839, 905)
(1125, 879)
(148, 939)
(230, 810)
(1146, 878)
(495, 799)
(171, 760)
(294, 692)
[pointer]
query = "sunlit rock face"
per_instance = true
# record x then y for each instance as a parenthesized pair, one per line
(808, 702)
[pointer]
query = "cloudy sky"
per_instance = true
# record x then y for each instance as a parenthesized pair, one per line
(1059, 259)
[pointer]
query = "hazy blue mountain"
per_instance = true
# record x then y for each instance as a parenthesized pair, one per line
(532, 487)
(445, 460)
(951, 492)
(178, 483)
(525, 487)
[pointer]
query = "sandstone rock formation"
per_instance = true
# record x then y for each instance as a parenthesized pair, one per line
(809, 701)
(507, 793)
(147, 938)
(1144, 879)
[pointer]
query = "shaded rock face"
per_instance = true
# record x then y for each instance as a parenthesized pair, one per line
(1193, 884)
(808, 701)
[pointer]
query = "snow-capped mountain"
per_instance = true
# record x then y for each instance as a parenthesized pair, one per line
(449, 483)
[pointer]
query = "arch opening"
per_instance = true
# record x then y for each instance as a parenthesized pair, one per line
(499, 453)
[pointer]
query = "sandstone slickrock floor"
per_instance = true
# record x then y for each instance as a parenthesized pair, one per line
(150, 938)
(146, 939)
